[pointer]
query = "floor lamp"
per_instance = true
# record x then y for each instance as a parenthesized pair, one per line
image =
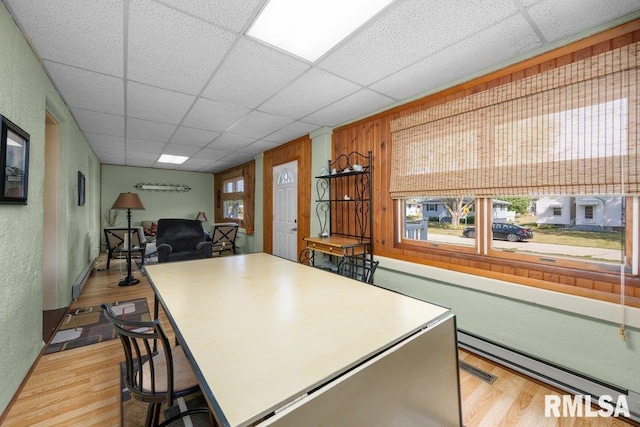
(128, 201)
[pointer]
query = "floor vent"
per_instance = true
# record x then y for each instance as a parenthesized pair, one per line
(484, 376)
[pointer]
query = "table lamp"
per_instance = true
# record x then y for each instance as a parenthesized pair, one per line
(201, 217)
(128, 201)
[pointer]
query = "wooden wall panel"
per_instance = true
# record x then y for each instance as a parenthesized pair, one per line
(300, 150)
(373, 133)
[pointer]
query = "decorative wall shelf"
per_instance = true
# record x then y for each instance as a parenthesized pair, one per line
(162, 187)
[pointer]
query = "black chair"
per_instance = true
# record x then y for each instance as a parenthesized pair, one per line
(152, 376)
(181, 239)
(116, 239)
(358, 267)
(223, 237)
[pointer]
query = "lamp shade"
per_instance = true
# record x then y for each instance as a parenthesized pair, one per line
(201, 216)
(128, 201)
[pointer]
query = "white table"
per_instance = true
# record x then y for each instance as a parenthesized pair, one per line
(262, 332)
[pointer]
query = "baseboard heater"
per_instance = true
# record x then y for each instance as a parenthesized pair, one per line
(82, 279)
(548, 373)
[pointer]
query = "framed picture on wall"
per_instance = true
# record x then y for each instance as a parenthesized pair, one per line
(81, 188)
(14, 159)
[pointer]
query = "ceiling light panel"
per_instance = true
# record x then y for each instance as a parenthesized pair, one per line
(310, 29)
(168, 158)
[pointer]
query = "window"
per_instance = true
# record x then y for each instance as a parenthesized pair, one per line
(450, 223)
(550, 161)
(234, 196)
(588, 212)
(233, 203)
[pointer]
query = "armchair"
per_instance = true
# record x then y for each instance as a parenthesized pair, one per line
(180, 240)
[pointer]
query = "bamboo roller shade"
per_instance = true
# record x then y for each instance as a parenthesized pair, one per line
(570, 130)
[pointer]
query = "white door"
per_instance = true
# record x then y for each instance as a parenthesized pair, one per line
(285, 210)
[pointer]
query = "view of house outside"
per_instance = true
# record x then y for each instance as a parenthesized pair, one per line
(589, 228)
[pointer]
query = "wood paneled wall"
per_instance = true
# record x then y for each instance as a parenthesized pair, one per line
(373, 133)
(300, 150)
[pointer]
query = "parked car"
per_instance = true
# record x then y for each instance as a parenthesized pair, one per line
(504, 231)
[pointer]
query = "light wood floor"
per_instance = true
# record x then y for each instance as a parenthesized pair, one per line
(80, 387)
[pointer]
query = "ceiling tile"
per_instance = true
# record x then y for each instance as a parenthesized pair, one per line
(142, 156)
(211, 154)
(236, 158)
(80, 33)
(143, 146)
(476, 55)
(100, 141)
(180, 150)
(94, 122)
(152, 131)
(560, 19)
(309, 93)
(212, 115)
(88, 89)
(291, 132)
(195, 164)
(107, 155)
(160, 105)
(259, 146)
(230, 14)
(195, 137)
(170, 49)
(410, 31)
(258, 125)
(252, 73)
(352, 107)
(230, 142)
(141, 163)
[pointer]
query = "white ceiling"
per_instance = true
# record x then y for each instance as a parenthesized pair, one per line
(146, 77)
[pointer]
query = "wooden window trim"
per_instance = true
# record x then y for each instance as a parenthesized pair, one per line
(246, 171)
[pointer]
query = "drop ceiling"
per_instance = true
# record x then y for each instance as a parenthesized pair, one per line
(147, 77)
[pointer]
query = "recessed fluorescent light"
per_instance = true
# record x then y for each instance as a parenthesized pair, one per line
(168, 158)
(308, 29)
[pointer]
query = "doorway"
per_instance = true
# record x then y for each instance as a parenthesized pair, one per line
(285, 210)
(52, 312)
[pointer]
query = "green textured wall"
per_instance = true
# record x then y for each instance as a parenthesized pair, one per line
(122, 179)
(578, 342)
(25, 95)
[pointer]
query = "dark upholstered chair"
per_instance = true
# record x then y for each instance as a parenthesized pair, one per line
(358, 267)
(223, 237)
(180, 240)
(153, 376)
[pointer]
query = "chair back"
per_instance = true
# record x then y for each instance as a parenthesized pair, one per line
(117, 238)
(358, 267)
(181, 234)
(223, 236)
(154, 381)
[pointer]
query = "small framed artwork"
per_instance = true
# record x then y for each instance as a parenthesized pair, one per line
(81, 188)
(14, 160)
